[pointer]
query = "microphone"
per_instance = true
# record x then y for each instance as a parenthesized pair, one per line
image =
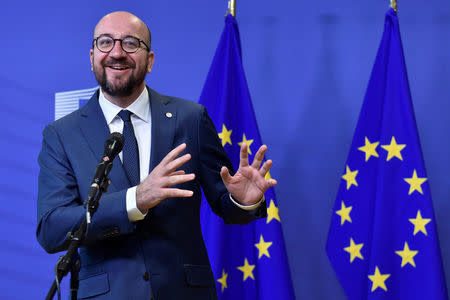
(113, 146)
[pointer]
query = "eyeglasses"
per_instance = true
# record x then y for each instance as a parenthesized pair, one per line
(129, 44)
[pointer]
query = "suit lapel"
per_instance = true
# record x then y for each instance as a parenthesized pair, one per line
(95, 130)
(163, 127)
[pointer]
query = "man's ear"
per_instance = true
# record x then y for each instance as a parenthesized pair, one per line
(91, 56)
(151, 61)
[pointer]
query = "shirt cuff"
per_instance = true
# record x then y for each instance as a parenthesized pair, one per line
(134, 214)
(247, 207)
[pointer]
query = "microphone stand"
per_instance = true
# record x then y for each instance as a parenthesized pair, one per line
(71, 260)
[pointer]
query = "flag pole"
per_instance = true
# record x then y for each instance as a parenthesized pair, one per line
(394, 5)
(232, 8)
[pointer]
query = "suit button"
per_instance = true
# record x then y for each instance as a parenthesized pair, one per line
(145, 276)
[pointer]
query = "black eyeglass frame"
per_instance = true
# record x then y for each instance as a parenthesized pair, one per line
(95, 42)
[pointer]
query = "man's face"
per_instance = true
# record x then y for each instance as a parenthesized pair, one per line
(120, 73)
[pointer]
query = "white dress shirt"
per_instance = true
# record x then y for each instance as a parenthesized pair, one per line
(141, 120)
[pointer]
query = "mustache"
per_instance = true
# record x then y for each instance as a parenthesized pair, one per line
(121, 61)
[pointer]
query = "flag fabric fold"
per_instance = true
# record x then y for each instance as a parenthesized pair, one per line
(248, 262)
(383, 242)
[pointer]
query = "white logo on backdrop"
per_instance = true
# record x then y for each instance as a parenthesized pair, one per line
(67, 102)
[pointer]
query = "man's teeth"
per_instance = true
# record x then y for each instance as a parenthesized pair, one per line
(118, 68)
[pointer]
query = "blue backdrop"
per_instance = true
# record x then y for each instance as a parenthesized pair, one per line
(307, 65)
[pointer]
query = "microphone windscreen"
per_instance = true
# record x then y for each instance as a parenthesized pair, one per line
(113, 145)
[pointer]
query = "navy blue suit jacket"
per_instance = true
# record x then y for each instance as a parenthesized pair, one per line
(119, 257)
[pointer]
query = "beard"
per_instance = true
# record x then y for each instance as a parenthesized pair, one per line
(124, 89)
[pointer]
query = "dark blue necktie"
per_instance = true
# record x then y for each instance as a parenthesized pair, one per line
(130, 150)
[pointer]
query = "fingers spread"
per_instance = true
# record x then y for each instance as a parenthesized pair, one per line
(169, 193)
(172, 154)
(179, 172)
(271, 182)
(265, 167)
(177, 179)
(225, 174)
(175, 164)
(259, 156)
(243, 156)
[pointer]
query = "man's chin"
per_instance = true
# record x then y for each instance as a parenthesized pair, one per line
(117, 86)
(117, 81)
(121, 90)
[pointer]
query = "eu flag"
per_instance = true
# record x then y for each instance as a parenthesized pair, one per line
(249, 262)
(383, 242)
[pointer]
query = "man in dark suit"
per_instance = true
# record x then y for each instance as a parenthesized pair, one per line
(145, 239)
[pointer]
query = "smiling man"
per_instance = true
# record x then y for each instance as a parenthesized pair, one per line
(145, 239)
(121, 71)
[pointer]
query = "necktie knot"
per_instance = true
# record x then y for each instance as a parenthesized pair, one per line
(125, 115)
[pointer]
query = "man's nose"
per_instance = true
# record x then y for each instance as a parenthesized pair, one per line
(117, 50)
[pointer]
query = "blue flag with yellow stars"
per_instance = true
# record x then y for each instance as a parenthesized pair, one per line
(248, 262)
(383, 242)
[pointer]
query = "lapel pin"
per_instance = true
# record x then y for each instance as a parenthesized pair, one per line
(169, 114)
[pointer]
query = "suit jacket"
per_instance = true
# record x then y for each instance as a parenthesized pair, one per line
(118, 257)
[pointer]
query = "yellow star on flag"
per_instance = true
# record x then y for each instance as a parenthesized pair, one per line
(272, 212)
(267, 177)
(248, 142)
(247, 269)
(378, 279)
(344, 212)
(223, 280)
(263, 247)
(407, 255)
(369, 149)
(225, 135)
(420, 223)
(394, 149)
(350, 177)
(354, 250)
(415, 183)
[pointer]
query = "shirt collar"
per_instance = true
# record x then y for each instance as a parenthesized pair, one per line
(140, 107)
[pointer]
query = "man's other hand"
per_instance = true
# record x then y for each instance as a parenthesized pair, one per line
(158, 184)
(248, 185)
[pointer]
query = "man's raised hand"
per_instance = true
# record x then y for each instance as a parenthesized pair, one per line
(158, 184)
(248, 185)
